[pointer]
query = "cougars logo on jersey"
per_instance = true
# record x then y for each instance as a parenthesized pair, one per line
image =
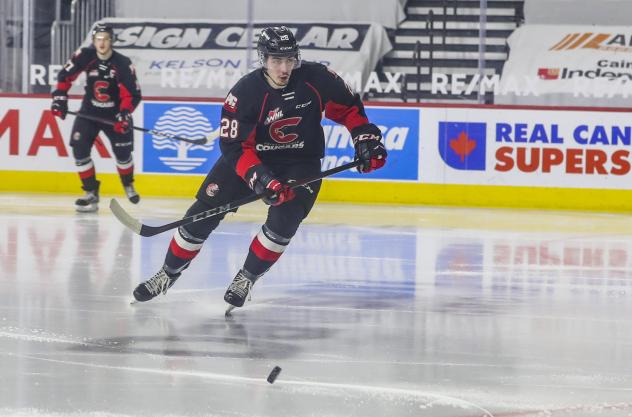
(276, 130)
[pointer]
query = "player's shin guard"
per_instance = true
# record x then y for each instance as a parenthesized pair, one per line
(266, 248)
(87, 174)
(182, 249)
(126, 172)
(89, 202)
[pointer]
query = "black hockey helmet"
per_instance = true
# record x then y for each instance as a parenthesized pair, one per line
(100, 28)
(277, 41)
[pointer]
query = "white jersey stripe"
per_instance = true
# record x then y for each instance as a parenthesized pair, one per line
(184, 244)
(269, 244)
(86, 167)
(125, 165)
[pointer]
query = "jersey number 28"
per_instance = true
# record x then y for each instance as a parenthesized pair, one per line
(229, 128)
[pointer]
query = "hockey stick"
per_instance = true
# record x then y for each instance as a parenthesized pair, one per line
(144, 230)
(200, 141)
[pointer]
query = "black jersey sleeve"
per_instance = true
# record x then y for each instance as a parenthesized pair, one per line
(340, 103)
(77, 63)
(129, 90)
(238, 126)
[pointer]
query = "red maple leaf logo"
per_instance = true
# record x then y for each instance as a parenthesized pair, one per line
(463, 146)
(548, 73)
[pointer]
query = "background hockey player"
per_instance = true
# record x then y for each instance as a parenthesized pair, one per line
(112, 93)
(270, 134)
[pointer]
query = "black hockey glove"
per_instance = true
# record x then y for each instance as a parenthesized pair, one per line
(123, 122)
(368, 147)
(60, 104)
(261, 180)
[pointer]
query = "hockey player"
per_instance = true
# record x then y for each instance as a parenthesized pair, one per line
(270, 135)
(112, 93)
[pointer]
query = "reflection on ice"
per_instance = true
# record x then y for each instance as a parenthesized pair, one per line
(471, 318)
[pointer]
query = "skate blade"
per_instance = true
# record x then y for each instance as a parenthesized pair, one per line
(229, 310)
(86, 210)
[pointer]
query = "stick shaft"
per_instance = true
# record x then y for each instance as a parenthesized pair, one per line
(200, 141)
(145, 230)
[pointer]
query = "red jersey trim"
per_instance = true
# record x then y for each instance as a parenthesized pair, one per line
(320, 100)
(348, 116)
(249, 157)
(263, 106)
(126, 98)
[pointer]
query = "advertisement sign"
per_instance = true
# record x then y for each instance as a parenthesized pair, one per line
(193, 121)
(575, 65)
(568, 149)
(32, 139)
(203, 58)
(400, 130)
(460, 146)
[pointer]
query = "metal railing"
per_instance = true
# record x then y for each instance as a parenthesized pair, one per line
(519, 15)
(417, 53)
(67, 35)
(417, 63)
(16, 48)
(403, 88)
(445, 15)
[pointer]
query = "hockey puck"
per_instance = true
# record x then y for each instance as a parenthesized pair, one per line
(274, 374)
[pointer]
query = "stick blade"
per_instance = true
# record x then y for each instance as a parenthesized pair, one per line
(124, 217)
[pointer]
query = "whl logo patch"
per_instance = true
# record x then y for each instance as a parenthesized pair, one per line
(463, 145)
(273, 115)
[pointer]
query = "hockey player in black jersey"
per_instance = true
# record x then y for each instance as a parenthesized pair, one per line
(112, 93)
(270, 134)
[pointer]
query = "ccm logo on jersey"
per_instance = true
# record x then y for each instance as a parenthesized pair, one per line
(300, 106)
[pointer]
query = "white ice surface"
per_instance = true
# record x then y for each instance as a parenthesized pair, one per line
(372, 311)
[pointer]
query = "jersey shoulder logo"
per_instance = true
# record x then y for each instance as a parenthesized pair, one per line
(230, 104)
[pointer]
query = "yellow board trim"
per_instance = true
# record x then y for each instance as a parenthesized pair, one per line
(370, 192)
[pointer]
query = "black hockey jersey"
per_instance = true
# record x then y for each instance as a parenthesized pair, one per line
(111, 85)
(261, 124)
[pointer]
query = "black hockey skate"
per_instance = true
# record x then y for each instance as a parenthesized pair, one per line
(239, 290)
(89, 203)
(131, 193)
(158, 284)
